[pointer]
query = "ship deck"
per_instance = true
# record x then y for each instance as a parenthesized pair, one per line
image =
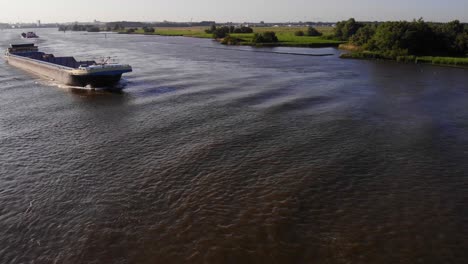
(70, 62)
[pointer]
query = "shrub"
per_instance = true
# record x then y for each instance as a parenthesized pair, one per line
(221, 32)
(211, 30)
(130, 30)
(266, 37)
(313, 32)
(243, 30)
(148, 29)
(92, 29)
(299, 33)
(346, 29)
(246, 30)
(230, 41)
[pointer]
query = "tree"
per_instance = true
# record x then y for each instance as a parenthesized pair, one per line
(363, 35)
(299, 33)
(230, 41)
(211, 30)
(118, 27)
(63, 28)
(265, 37)
(246, 30)
(148, 29)
(221, 32)
(92, 29)
(311, 31)
(75, 27)
(346, 29)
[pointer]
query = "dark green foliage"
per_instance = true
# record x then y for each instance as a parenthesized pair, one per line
(242, 30)
(230, 41)
(78, 27)
(313, 32)
(404, 38)
(453, 36)
(346, 29)
(118, 27)
(299, 33)
(363, 35)
(211, 29)
(130, 30)
(92, 29)
(221, 32)
(246, 30)
(265, 37)
(148, 29)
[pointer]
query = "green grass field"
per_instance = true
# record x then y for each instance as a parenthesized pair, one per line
(196, 32)
(289, 39)
(285, 35)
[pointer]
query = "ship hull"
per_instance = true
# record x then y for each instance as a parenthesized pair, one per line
(94, 80)
(63, 74)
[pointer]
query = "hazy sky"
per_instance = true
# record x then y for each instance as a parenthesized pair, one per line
(230, 10)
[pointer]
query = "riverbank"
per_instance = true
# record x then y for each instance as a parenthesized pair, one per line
(442, 61)
(286, 36)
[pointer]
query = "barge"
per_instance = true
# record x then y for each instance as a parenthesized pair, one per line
(66, 70)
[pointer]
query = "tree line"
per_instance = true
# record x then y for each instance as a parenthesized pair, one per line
(224, 31)
(78, 27)
(406, 38)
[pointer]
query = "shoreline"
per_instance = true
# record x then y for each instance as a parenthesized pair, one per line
(454, 62)
(243, 40)
(355, 52)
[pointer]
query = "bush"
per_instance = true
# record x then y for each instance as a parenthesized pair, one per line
(363, 35)
(93, 29)
(346, 29)
(299, 33)
(246, 30)
(313, 32)
(221, 32)
(230, 41)
(148, 29)
(243, 30)
(130, 30)
(211, 30)
(266, 37)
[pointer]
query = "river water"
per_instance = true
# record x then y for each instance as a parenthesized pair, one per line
(227, 155)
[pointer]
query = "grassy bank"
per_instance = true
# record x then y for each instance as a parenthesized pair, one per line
(195, 32)
(288, 39)
(285, 36)
(444, 61)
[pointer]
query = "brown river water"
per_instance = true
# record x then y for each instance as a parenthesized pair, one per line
(232, 156)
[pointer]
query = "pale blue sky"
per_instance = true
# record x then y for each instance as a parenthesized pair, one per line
(234, 10)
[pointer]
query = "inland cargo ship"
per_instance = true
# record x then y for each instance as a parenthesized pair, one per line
(66, 70)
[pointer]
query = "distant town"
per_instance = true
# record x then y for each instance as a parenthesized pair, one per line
(100, 24)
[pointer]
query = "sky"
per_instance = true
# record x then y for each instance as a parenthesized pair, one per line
(49, 11)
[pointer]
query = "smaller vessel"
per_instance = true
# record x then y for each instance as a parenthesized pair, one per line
(29, 35)
(66, 70)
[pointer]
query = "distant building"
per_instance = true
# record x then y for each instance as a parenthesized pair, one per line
(38, 23)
